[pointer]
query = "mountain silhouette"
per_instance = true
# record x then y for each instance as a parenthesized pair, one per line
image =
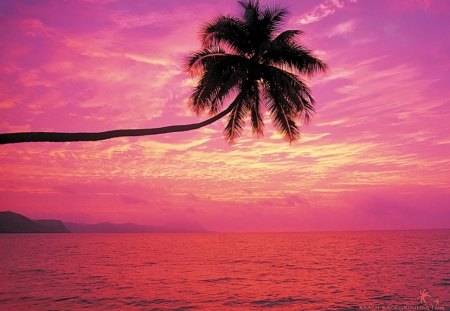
(108, 227)
(11, 222)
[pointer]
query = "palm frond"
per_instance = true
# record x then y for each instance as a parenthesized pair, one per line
(292, 89)
(295, 57)
(227, 31)
(251, 12)
(236, 119)
(196, 62)
(282, 114)
(287, 37)
(255, 110)
(272, 17)
(221, 74)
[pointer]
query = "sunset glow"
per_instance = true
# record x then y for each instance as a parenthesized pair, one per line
(375, 155)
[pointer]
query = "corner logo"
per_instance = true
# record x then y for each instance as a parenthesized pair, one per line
(425, 302)
(424, 294)
(428, 301)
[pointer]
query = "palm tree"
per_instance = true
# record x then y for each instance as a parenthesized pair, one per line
(246, 57)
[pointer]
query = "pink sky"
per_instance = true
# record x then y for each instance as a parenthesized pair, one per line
(375, 156)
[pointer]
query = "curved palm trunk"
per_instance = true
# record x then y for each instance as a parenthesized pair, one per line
(23, 137)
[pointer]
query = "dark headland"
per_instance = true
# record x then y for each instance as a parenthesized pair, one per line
(11, 222)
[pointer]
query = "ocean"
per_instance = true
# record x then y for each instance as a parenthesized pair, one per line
(373, 270)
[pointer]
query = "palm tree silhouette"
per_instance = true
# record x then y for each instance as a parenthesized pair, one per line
(247, 57)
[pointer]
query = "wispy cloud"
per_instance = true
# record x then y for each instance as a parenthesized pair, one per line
(324, 9)
(35, 27)
(343, 28)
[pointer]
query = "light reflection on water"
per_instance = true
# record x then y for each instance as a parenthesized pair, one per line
(212, 271)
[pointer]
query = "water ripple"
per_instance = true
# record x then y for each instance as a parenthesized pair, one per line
(304, 271)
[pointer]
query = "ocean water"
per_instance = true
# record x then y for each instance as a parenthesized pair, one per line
(377, 270)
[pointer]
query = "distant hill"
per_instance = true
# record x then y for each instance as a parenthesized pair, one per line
(53, 224)
(16, 223)
(107, 227)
